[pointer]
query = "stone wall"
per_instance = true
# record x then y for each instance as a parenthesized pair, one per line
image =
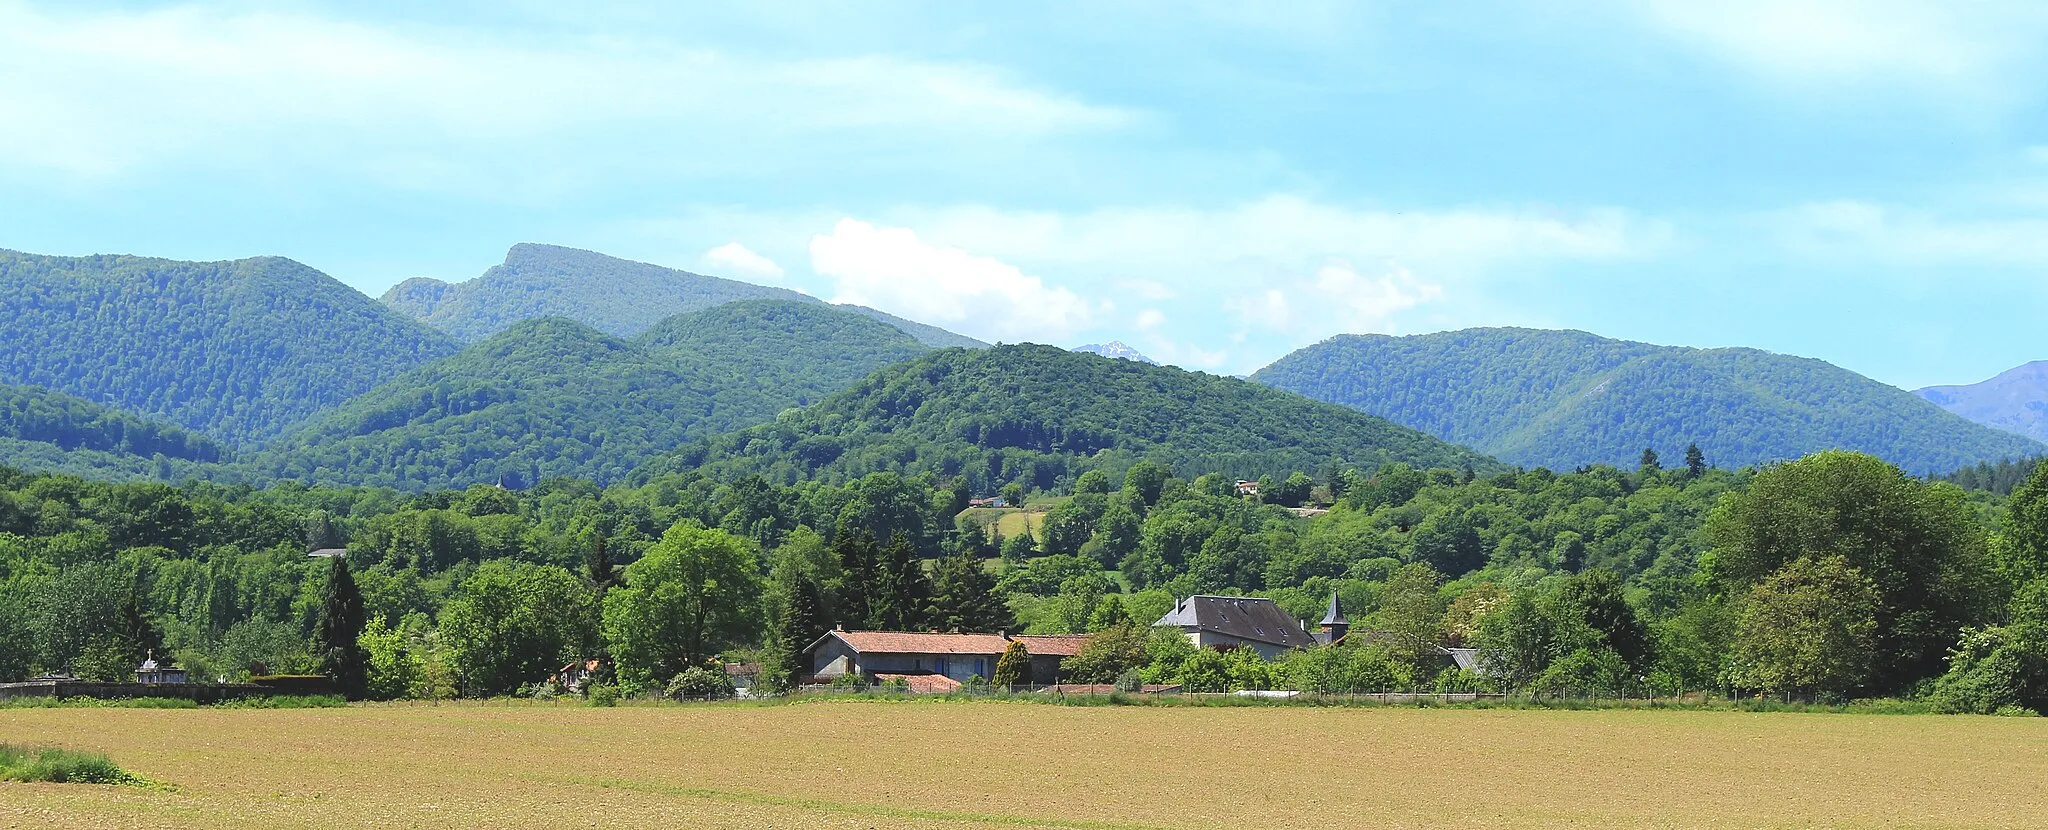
(201, 692)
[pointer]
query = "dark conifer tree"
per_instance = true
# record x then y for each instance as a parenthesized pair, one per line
(1695, 461)
(964, 596)
(1650, 463)
(338, 634)
(855, 550)
(602, 576)
(597, 566)
(903, 595)
(796, 620)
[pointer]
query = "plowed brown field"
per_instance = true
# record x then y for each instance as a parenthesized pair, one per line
(973, 765)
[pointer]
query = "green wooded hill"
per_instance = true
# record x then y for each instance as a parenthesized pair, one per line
(47, 431)
(1038, 414)
(237, 350)
(619, 297)
(553, 397)
(1563, 399)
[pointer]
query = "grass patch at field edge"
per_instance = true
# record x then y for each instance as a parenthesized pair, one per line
(49, 765)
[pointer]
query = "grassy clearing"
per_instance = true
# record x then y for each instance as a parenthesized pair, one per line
(980, 764)
(1012, 521)
(61, 766)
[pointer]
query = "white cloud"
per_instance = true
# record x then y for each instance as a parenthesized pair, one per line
(734, 259)
(1953, 48)
(1186, 263)
(100, 94)
(1267, 308)
(1335, 298)
(1151, 243)
(1185, 354)
(895, 271)
(1365, 303)
(1859, 231)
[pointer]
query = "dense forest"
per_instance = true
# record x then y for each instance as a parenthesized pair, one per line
(1563, 399)
(549, 398)
(1831, 577)
(619, 297)
(1040, 416)
(238, 351)
(29, 413)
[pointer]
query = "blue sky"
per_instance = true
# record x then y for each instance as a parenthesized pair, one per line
(1214, 183)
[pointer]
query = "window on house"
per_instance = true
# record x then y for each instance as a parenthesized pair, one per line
(941, 663)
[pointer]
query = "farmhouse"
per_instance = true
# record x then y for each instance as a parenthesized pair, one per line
(1240, 622)
(885, 654)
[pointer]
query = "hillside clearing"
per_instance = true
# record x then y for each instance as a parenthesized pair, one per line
(924, 764)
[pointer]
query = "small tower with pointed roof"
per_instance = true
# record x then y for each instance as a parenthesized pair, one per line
(1334, 625)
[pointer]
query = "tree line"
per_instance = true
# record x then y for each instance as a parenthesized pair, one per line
(1831, 577)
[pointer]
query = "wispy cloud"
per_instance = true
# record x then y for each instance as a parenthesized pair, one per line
(1972, 50)
(99, 94)
(739, 260)
(893, 270)
(1861, 231)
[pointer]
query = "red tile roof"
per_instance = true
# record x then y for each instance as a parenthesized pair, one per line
(1107, 688)
(923, 684)
(904, 642)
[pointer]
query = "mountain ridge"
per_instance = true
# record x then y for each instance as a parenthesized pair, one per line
(619, 297)
(1563, 399)
(2015, 400)
(236, 349)
(1041, 413)
(554, 397)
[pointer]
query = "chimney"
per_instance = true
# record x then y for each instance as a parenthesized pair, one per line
(838, 627)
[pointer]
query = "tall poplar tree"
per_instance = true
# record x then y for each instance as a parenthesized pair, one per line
(337, 636)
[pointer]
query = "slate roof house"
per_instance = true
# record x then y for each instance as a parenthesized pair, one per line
(1242, 622)
(922, 659)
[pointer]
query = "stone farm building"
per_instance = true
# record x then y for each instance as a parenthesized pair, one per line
(931, 661)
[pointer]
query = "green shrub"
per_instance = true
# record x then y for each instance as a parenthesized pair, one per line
(701, 683)
(61, 766)
(603, 696)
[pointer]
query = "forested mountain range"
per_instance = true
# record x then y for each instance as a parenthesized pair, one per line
(2016, 401)
(236, 350)
(1040, 415)
(619, 297)
(1563, 399)
(553, 397)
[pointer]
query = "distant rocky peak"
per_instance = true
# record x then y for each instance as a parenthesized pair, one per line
(1117, 349)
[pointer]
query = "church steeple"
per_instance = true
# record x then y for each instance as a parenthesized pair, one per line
(1334, 625)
